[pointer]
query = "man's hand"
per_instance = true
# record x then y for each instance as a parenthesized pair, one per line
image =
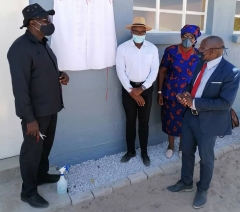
(136, 91)
(189, 99)
(181, 98)
(185, 99)
(64, 78)
(160, 99)
(33, 129)
(140, 100)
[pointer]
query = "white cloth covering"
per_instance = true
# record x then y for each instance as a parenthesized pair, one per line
(85, 36)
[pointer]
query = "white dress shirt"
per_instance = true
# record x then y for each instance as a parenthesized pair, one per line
(211, 67)
(137, 65)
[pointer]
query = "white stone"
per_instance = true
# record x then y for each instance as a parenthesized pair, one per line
(170, 168)
(235, 145)
(101, 191)
(120, 183)
(218, 153)
(227, 148)
(152, 172)
(81, 197)
(138, 177)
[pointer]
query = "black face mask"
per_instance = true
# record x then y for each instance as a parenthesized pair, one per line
(201, 55)
(46, 29)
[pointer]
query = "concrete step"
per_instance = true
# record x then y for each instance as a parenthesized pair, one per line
(10, 198)
(10, 188)
(9, 169)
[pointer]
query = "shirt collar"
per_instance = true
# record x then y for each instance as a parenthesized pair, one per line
(34, 39)
(214, 62)
(133, 44)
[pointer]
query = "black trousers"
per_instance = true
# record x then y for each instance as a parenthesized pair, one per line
(132, 111)
(34, 164)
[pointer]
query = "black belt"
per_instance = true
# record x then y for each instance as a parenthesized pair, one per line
(136, 83)
(194, 112)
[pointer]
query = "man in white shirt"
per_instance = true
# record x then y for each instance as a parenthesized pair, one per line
(137, 64)
(212, 92)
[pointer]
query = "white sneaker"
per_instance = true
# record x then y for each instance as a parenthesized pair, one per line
(180, 154)
(169, 153)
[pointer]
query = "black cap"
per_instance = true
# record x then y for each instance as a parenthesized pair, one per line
(34, 11)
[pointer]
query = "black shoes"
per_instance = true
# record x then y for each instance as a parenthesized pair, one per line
(35, 201)
(145, 159)
(179, 187)
(200, 199)
(50, 178)
(127, 157)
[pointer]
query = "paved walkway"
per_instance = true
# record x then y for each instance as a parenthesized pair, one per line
(151, 195)
(146, 196)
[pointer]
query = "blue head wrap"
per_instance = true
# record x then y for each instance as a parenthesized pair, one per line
(193, 29)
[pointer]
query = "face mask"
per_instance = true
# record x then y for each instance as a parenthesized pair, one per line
(187, 43)
(138, 39)
(46, 29)
(201, 55)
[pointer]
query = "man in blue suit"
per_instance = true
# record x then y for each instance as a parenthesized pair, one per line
(210, 96)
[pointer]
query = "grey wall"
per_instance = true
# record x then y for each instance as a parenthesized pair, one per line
(91, 127)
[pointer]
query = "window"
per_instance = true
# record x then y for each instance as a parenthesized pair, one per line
(171, 15)
(237, 18)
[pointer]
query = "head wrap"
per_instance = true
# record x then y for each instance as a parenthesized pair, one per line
(193, 29)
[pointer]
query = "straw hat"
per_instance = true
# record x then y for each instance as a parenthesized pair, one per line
(139, 21)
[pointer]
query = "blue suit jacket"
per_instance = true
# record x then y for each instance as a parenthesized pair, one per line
(217, 98)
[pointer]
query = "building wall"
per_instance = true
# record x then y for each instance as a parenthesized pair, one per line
(10, 126)
(91, 126)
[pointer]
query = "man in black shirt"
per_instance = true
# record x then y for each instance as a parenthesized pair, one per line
(36, 83)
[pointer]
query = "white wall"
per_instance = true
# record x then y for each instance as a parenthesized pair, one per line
(10, 126)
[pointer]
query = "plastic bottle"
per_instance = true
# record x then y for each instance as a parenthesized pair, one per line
(62, 183)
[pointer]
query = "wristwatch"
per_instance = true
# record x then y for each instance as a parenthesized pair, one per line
(160, 92)
(143, 87)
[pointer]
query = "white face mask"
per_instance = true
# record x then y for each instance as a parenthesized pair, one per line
(139, 38)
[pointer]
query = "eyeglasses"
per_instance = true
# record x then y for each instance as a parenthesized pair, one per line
(188, 36)
(223, 47)
(46, 20)
(135, 32)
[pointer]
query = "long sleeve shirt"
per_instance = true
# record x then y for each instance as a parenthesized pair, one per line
(137, 65)
(35, 78)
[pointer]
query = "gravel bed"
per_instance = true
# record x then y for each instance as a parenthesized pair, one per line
(92, 173)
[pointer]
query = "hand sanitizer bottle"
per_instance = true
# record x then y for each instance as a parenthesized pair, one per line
(62, 183)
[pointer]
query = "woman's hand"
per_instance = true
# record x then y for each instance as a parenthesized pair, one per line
(160, 99)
